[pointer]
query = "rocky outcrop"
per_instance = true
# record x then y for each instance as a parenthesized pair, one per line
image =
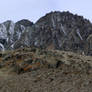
(10, 32)
(55, 30)
(64, 30)
(89, 44)
(20, 27)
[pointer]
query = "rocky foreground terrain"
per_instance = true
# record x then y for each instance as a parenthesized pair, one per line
(35, 69)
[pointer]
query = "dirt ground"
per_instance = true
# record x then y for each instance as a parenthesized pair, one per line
(72, 74)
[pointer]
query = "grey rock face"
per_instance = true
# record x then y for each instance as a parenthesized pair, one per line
(10, 32)
(55, 30)
(6, 33)
(89, 44)
(63, 31)
(66, 27)
(20, 27)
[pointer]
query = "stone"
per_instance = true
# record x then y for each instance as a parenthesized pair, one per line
(56, 30)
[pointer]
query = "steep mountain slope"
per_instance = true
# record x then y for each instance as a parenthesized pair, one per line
(55, 30)
(6, 33)
(10, 32)
(65, 31)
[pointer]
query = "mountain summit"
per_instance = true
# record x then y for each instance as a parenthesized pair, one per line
(55, 30)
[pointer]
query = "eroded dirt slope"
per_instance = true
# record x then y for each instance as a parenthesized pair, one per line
(39, 70)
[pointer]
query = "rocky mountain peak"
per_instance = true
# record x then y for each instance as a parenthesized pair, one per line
(10, 32)
(67, 31)
(24, 22)
(55, 30)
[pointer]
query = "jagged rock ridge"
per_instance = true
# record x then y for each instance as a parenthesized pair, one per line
(10, 32)
(55, 30)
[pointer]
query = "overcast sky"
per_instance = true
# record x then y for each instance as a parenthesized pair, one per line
(34, 9)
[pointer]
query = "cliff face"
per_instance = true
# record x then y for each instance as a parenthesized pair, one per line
(10, 32)
(67, 31)
(55, 30)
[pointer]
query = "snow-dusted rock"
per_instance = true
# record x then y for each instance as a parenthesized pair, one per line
(55, 30)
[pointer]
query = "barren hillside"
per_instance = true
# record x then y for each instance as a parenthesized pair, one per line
(35, 69)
